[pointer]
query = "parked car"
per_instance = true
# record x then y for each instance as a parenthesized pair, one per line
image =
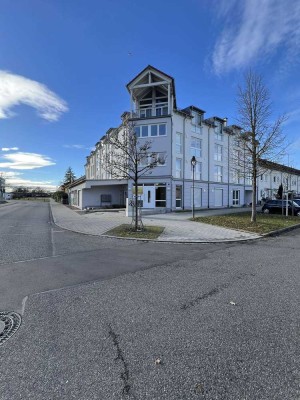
(297, 200)
(275, 207)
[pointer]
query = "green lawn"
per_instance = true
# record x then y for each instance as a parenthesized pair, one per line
(149, 232)
(44, 199)
(241, 221)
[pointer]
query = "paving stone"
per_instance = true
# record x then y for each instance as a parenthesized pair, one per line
(178, 227)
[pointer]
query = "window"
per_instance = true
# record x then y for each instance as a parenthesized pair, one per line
(162, 129)
(161, 104)
(235, 197)
(161, 107)
(151, 130)
(146, 106)
(145, 112)
(195, 147)
(198, 171)
(218, 152)
(274, 179)
(218, 130)
(237, 176)
(178, 196)
(178, 143)
(159, 157)
(161, 196)
(148, 158)
(196, 122)
(178, 168)
(218, 173)
(144, 131)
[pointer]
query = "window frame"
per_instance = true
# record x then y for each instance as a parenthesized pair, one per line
(218, 176)
(196, 151)
(138, 129)
(178, 172)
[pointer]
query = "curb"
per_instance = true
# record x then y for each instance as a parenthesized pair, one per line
(162, 241)
(262, 236)
(283, 230)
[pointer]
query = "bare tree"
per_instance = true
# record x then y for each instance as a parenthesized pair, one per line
(127, 157)
(259, 138)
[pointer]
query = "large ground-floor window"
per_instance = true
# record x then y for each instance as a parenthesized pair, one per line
(161, 196)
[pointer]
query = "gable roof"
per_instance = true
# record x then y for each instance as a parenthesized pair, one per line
(150, 68)
(278, 167)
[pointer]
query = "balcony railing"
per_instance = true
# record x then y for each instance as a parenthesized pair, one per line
(151, 112)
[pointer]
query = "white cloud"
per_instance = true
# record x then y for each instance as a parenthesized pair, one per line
(256, 29)
(21, 160)
(77, 146)
(15, 90)
(74, 146)
(9, 148)
(15, 179)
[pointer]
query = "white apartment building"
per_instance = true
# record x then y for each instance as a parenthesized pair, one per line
(177, 135)
(275, 174)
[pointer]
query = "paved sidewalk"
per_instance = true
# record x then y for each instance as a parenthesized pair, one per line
(177, 226)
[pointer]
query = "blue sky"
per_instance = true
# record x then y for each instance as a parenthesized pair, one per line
(64, 65)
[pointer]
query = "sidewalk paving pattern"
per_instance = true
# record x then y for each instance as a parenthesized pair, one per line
(178, 227)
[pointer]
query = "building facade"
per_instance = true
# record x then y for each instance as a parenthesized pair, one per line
(2, 188)
(273, 176)
(176, 135)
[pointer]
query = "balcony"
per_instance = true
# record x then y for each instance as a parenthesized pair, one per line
(151, 112)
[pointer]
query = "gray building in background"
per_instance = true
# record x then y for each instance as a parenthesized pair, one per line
(2, 188)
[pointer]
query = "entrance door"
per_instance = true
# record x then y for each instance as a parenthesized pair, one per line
(197, 197)
(178, 196)
(218, 197)
(235, 197)
(149, 197)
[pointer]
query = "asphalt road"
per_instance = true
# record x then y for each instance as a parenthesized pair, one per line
(36, 255)
(223, 320)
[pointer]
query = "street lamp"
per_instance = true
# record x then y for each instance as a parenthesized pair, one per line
(193, 163)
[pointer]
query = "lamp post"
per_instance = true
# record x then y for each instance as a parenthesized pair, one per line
(193, 163)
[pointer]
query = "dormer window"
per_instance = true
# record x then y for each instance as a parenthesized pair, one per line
(218, 130)
(196, 122)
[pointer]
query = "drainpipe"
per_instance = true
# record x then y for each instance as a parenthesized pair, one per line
(183, 162)
(208, 165)
(171, 172)
(244, 172)
(228, 162)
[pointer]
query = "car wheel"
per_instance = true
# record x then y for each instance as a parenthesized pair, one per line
(298, 214)
(266, 211)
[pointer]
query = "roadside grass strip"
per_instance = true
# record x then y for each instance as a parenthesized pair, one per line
(242, 221)
(125, 230)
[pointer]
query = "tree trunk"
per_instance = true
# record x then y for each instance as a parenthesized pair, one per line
(254, 184)
(136, 202)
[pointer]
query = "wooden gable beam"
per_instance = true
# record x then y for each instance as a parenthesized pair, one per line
(150, 84)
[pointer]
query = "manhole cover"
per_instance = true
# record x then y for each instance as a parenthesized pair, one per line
(9, 323)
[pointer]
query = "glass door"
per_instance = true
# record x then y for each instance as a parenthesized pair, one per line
(178, 196)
